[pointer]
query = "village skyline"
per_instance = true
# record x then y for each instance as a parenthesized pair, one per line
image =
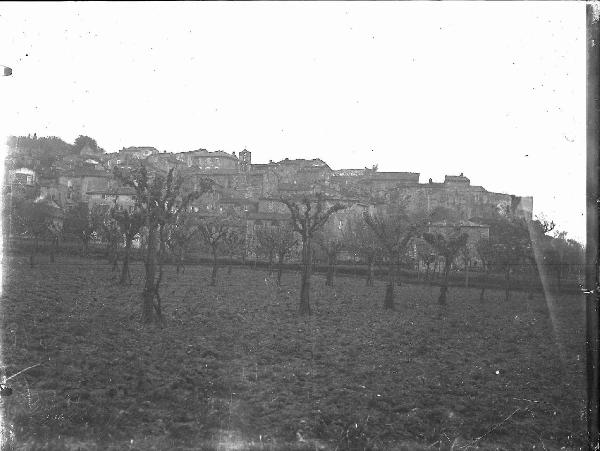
(406, 87)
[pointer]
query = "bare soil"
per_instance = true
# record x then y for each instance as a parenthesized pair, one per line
(235, 366)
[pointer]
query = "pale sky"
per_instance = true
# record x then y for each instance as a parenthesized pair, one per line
(491, 89)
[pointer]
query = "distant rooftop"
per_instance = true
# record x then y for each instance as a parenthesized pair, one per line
(207, 153)
(139, 149)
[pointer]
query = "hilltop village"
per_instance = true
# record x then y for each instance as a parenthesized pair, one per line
(253, 189)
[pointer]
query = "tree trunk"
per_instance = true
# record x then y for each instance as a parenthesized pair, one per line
(305, 279)
(84, 247)
(280, 269)
(427, 271)
(507, 282)
(330, 270)
(213, 276)
(467, 265)
(178, 264)
(389, 290)
(115, 258)
(125, 275)
(444, 286)
(370, 272)
(270, 268)
(485, 281)
(150, 283)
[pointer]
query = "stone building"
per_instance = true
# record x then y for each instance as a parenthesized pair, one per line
(123, 197)
(254, 190)
(203, 159)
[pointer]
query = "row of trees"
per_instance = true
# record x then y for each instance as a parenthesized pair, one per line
(384, 238)
(50, 145)
(163, 220)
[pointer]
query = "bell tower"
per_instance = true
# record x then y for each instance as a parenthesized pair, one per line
(245, 158)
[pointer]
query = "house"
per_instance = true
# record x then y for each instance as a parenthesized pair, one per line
(123, 197)
(76, 183)
(206, 160)
(22, 176)
(139, 153)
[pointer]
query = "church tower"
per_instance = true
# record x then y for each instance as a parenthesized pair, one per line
(245, 159)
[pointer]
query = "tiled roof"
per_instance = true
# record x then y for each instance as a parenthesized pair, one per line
(138, 149)
(206, 153)
(395, 174)
(456, 178)
(315, 162)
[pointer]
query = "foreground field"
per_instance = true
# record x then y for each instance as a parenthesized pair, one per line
(236, 368)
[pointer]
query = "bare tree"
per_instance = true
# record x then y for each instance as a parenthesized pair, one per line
(181, 234)
(235, 240)
(213, 231)
(266, 243)
(447, 247)
(309, 214)
(511, 244)
(286, 241)
(485, 252)
(110, 232)
(331, 247)
(54, 232)
(425, 254)
(275, 241)
(35, 220)
(130, 226)
(83, 223)
(160, 201)
(465, 255)
(360, 239)
(394, 231)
